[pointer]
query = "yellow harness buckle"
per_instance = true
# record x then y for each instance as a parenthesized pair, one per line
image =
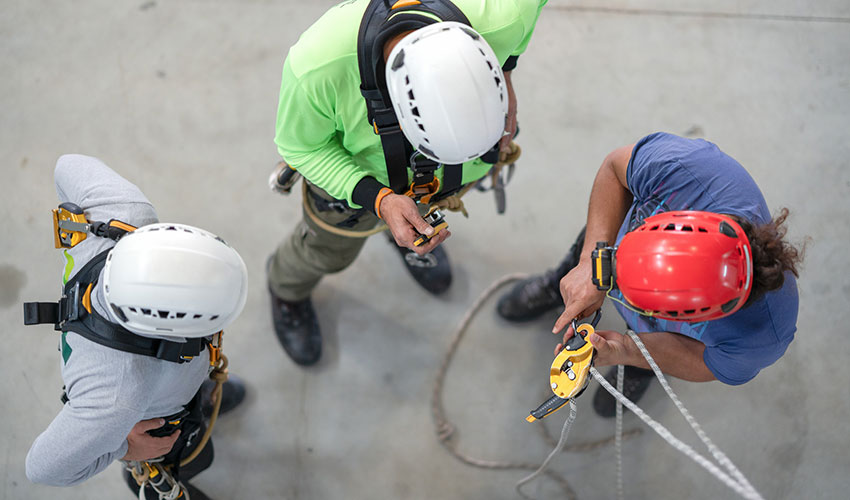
(69, 225)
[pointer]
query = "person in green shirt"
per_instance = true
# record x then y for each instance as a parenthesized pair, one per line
(370, 93)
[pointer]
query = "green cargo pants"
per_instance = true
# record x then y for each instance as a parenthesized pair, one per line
(310, 252)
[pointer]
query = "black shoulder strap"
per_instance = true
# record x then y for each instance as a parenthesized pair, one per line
(70, 315)
(376, 28)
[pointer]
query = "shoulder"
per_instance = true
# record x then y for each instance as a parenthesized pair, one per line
(330, 44)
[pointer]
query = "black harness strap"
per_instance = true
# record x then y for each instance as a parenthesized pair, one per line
(376, 28)
(70, 315)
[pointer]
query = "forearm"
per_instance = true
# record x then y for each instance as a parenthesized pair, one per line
(676, 355)
(78, 445)
(609, 202)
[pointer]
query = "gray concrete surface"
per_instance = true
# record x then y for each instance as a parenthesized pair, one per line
(180, 97)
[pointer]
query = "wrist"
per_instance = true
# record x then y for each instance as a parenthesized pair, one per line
(383, 193)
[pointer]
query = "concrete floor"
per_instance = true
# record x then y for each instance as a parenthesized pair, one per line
(180, 97)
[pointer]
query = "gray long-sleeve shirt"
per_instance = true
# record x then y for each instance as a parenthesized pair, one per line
(109, 390)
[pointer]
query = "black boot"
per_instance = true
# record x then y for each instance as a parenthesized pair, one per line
(532, 297)
(297, 329)
(635, 382)
(432, 270)
(232, 394)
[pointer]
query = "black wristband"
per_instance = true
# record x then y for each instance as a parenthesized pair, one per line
(510, 64)
(365, 192)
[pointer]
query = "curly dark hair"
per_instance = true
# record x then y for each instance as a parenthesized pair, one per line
(772, 255)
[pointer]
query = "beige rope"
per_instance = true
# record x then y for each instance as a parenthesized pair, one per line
(219, 375)
(445, 430)
(451, 203)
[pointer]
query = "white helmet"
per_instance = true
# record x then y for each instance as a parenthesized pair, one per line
(174, 280)
(448, 92)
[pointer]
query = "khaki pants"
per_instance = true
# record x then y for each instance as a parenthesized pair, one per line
(310, 252)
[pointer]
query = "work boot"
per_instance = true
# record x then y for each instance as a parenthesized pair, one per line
(150, 494)
(531, 298)
(432, 270)
(635, 382)
(297, 329)
(232, 394)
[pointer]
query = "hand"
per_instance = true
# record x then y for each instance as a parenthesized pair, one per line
(143, 446)
(403, 219)
(510, 123)
(612, 348)
(581, 298)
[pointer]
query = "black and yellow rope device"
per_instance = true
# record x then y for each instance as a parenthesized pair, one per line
(570, 371)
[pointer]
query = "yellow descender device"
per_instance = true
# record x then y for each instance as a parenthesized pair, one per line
(570, 371)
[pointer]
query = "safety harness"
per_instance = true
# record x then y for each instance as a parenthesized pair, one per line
(74, 312)
(381, 21)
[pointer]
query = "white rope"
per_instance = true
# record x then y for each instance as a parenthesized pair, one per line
(721, 457)
(618, 432)
(739, 484)
(565, 431)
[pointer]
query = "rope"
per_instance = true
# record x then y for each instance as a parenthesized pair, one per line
(740, 484)
(565, 431)
(451, 203)
(618, 431)
(445, 430)
(219, 374)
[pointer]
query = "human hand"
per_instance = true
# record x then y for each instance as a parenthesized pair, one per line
(510, 123)
(612, 348)
(143, 446)
(402, 217)
(581, 298)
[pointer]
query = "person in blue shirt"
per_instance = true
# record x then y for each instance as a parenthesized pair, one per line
(661, 173)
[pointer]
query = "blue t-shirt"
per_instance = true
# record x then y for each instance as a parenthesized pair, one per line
(667, 172)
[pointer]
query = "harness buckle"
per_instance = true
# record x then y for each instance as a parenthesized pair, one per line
(422, 193)
(391, 128)
(173, 351)
(69, 225)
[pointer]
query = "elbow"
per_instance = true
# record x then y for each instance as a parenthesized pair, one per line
(42, 469)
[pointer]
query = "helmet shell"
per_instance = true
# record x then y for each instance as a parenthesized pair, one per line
(174, 280)
(448, 92)
(685, 266)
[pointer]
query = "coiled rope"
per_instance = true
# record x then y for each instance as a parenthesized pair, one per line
(446, 431)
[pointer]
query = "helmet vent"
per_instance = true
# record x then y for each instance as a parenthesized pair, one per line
(673, 313)
(146, 312)
(180, 315)
(410, 94)
(690, 311)
(415, 112)
(702, 229)
(196, 316)
(729, 305)
(704, 309)
(118, 312)
(163, 314)
(726, 229)
(654, 228)
(687, 228)
(213, 318)
(670, 227)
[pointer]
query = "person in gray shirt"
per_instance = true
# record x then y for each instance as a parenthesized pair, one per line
(167, 285)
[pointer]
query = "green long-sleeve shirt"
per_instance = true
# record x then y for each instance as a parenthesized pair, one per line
(322, 126)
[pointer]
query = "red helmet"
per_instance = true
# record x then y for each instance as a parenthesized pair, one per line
(685, 266)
